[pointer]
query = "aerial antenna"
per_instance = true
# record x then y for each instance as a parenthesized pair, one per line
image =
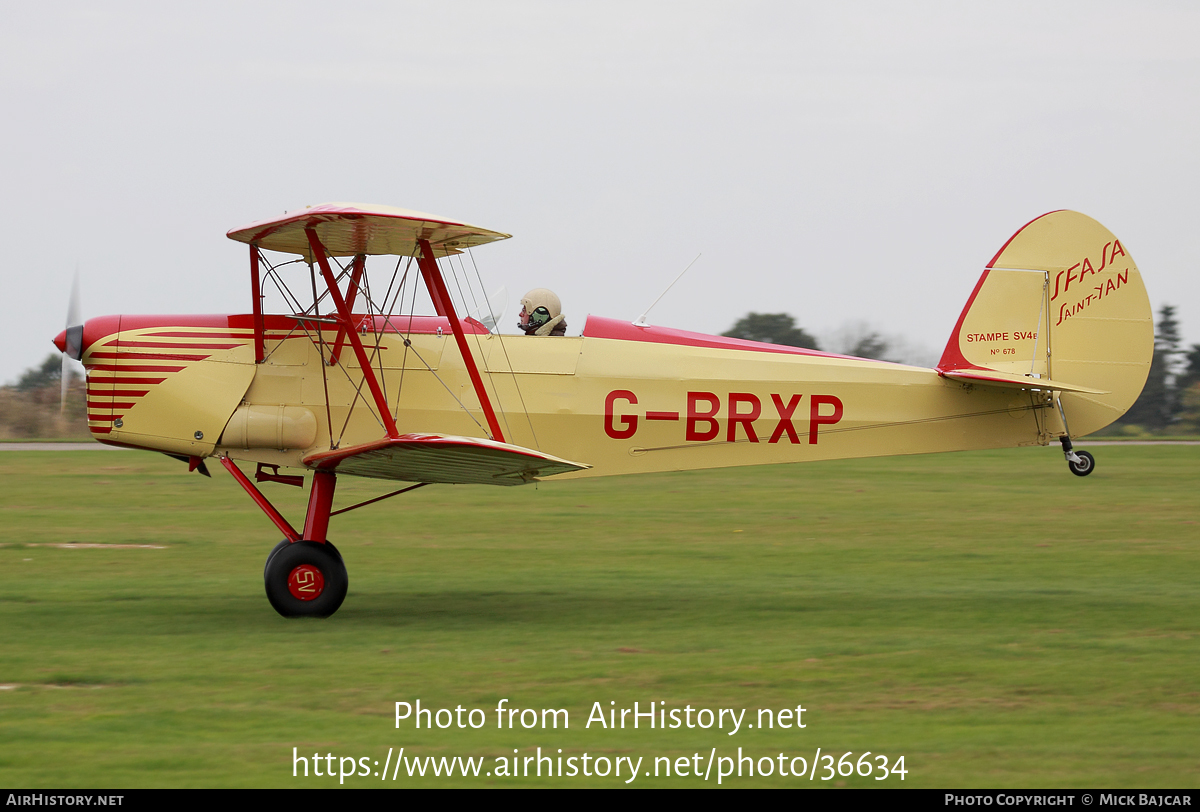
(640, 321)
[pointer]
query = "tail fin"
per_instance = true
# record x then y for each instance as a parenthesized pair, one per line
(1062, 300)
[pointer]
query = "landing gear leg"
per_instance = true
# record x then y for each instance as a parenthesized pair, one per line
(1081, 463)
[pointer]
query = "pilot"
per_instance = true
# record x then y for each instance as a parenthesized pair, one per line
(541, 314)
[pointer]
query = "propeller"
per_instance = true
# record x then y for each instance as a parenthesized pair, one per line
(492, 313)
(73, 343)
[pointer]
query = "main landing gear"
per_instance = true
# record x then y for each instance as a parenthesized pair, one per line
(304, 575)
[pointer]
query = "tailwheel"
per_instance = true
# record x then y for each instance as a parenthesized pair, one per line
(306, 579)
(1083, 464)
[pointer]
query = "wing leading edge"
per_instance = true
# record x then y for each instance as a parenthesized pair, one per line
(443, 459)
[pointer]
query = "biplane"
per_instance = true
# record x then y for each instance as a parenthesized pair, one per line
(1054, 342)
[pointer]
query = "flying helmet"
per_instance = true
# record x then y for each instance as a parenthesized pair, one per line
(541, 306)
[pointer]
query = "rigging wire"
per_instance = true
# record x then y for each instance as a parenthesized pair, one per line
(325, 384)
(407, 344)
(387, 293)
(380, 498)
(365, 284)
(312, 275)
(320, 343)
(301, 323)
(383, 308)
(400, 292)
(364, 291)
(478, 346)
(508, 361)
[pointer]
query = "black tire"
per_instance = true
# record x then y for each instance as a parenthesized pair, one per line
(1086, 464)
(285, 543)
(301, 558)
(271, 555)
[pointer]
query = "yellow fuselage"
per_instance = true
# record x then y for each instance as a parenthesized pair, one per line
(659, 402)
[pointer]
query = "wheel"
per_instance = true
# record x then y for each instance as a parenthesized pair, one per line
(306, 579)
(1086, 464)
(271, 555)
(285, 543)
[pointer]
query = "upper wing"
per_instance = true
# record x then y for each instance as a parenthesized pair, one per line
(443, 459)
(346, 229)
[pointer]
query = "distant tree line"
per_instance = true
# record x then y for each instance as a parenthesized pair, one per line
(31, 408)
(772, 328)
(857, 339)
(1170, 401)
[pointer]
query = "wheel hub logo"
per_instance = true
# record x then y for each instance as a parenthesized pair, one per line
(306, 583)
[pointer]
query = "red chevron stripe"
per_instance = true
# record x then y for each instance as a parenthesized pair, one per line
(148, 356)
(136, 368)
(173, 345)
(133, 380)
(187, 334)
(115, 393)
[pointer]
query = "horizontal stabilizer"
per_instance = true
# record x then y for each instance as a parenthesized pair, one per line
(1014, 381)
(442, 458)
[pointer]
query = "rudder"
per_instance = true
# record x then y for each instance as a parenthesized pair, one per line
(1063, 299)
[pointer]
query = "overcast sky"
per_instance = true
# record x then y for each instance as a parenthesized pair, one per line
(841, 162)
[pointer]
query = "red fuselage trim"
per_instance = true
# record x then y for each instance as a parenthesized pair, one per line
(621, 330)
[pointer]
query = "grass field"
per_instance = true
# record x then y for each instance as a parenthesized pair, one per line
(991, 618)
